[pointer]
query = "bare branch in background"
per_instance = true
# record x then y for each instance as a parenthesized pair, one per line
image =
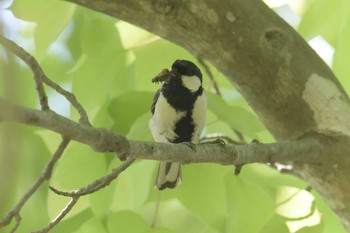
(45, 175)
(97, 184)
(40, 77)
(210, 75)
(34, 66)
(60, 216)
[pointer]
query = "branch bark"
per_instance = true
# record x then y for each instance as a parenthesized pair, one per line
(307, 149)
(291, 89)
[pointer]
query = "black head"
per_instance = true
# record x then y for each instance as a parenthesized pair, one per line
(184, 67)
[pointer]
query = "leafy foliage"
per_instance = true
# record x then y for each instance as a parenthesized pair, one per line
(109, 64)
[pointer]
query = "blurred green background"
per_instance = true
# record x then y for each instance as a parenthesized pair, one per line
(108, 64)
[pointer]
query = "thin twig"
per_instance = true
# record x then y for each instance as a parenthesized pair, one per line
(156, 210)
(97, 184)
(60, 216)
(240, 136)
(34, 66)
(84, 119)
(75, 195)
(18, 221)
(40, 77)
(45, 175)
(210, 75)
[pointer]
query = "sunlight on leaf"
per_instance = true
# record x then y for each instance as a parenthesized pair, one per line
(49, 25)
(298, 206)
(247, 200)
(334, 17)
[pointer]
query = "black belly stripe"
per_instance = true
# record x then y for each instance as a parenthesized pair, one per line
(184, 129)
(181, 99)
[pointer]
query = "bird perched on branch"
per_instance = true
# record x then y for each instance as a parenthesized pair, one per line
(178, 114)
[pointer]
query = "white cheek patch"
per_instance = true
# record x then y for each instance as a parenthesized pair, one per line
(192, 83)
(162, 124)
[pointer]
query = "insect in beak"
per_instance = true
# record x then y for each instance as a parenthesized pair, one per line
(165, 75)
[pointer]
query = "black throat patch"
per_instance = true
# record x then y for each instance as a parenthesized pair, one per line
(181, 99)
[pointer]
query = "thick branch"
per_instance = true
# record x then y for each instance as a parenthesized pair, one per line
(104, 140)
(100, 139)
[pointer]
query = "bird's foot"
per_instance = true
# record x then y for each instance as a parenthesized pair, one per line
(217, 141)
(190, 145)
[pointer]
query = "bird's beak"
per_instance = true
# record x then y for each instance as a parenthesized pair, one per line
(165, 75)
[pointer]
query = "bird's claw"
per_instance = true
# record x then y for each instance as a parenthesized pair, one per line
(190, 145)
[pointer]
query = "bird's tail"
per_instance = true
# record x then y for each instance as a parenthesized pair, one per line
(168, 175)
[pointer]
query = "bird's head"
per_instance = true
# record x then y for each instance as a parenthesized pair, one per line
(183, 70)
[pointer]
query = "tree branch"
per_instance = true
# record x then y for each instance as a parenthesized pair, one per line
(33, 64)
(40, 77)
(88, 189)
(45, 175)
(104, 140)
(97, 184)
(60, 216)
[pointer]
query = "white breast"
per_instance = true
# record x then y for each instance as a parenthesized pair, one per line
(162, 123)
(198, 116)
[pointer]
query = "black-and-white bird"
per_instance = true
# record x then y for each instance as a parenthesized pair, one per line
(178, 114)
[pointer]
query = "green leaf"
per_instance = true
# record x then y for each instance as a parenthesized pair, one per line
(51, 18)
(101, 200)
(329, 219)
(277, 224)
(132, 37)
(74, 223)
(210, 202)
(236, 117)
(100, 39)
(145, 68)
(101, 70)
(56, 203)
(23, 156)
(250, 205)
(173, 215)
(134, 186)
(92, 225)
(298, 206)
(140, 130)
(202, 192)
(313, 229)
(126, 221)
(126, 108)
(78, 166)
(271, 178)
(341, 58)
(326, 18)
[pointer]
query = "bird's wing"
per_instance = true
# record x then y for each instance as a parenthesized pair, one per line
(155, 99)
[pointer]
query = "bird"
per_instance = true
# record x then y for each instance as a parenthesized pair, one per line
(178, 114)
